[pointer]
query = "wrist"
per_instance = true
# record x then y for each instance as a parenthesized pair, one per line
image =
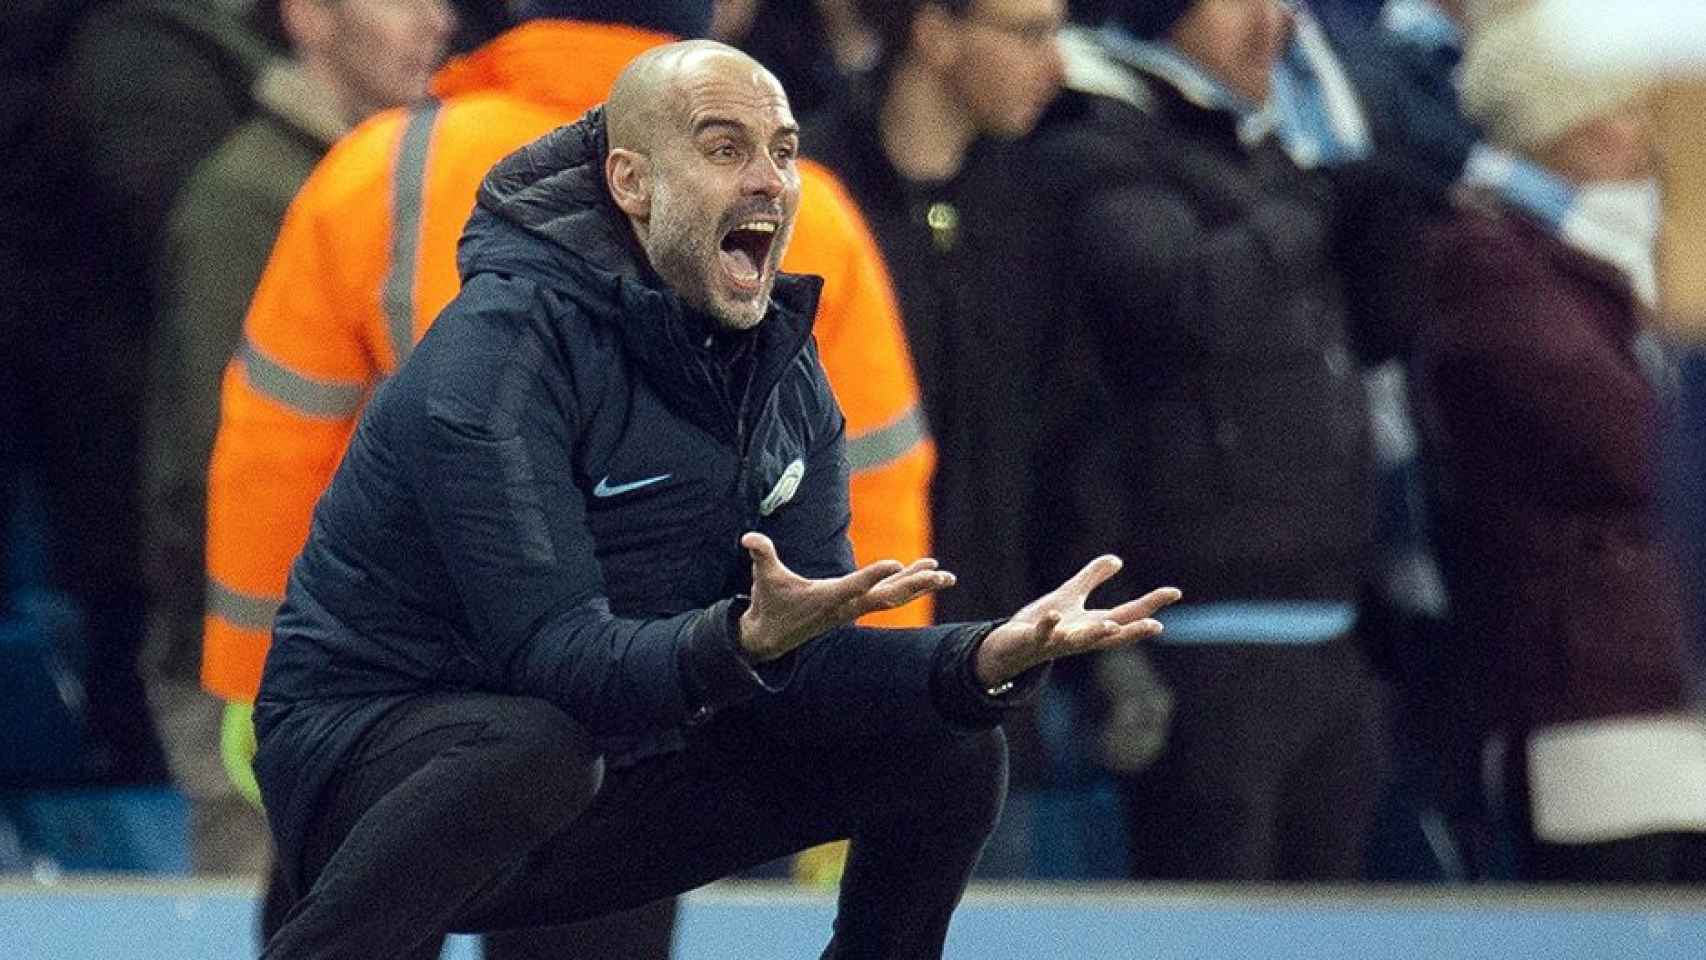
(741, 626)
(994, 661)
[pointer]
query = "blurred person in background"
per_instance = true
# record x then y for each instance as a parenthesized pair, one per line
(1425, 40)
(1545, 398)
(913, 139)
(33, 37)
(135, 95)
(365, 260)
(1374, 109)
(347, 59)
(1230, 449)
(812, 45)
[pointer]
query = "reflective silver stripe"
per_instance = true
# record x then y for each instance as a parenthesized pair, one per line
(888, 443)
(242, 609)
(408, 183)
(326, 399)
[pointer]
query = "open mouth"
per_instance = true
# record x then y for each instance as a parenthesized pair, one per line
(745, 251)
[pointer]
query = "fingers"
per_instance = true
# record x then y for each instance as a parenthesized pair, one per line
(865, 578)
(1100, 635)
(916, 566)
(1145, 606)
(1093, 575)
(903, 587)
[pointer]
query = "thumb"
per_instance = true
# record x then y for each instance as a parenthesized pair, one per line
(765, 562)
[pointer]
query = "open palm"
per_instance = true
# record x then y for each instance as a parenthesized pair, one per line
(788, 609)
(1058, 624)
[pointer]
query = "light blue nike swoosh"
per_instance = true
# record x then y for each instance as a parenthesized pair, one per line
(605, 489)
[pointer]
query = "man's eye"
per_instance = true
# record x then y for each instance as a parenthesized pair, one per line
(786, 154)
(725, 151)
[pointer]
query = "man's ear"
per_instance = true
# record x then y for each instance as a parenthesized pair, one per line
(627, 174)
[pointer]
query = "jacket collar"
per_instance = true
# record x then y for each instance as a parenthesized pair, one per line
(287, 92)
(1160, 81)
(1170, 66)
(532, 61)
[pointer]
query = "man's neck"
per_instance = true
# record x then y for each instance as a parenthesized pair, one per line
(924, 132)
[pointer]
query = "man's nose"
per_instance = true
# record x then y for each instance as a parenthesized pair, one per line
(764, 176)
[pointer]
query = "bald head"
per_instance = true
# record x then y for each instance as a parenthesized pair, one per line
(648, 94)
(701, 160)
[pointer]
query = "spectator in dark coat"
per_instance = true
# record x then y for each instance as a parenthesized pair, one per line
(1544, 395)
(143, 91)
(33, 38)
(1376, 109)
(1230, 446)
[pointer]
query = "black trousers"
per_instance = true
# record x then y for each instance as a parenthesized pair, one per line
(470, 812)
(1273, 767)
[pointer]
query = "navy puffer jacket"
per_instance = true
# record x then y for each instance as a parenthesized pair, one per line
(546, 500)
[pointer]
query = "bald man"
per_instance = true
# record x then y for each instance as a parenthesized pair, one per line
(573, 629)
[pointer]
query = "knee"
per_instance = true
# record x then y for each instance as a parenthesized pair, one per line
(548, 768)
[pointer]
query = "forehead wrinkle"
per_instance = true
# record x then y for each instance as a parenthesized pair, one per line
(724, 101)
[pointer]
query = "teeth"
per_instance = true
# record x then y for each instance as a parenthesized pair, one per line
(761, 226)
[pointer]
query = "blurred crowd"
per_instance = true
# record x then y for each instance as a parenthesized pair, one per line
(1341, 315)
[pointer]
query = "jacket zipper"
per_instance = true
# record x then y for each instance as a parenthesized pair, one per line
(771, 374)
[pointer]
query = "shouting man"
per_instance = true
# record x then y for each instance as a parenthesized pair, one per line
(541, 658)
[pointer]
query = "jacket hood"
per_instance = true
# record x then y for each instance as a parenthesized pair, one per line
(543, 212)
(553, 190)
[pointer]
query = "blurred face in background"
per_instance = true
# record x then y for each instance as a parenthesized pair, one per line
(1238, 41)
(731, 19)
(1620, 145)
(1002, 60)
(375, 53)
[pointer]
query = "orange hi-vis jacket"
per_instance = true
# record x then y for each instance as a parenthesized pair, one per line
(365, 260)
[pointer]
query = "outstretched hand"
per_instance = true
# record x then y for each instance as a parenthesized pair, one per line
(788, 609)
(1057, 625)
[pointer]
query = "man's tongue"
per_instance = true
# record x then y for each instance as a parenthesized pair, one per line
(739, 262)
